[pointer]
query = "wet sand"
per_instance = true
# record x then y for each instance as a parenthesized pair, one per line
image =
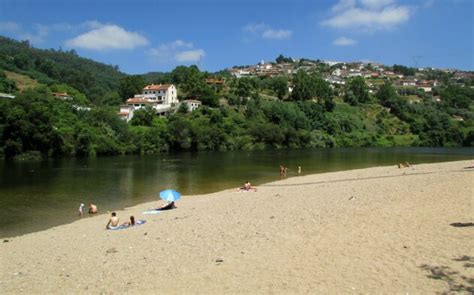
(376, 230)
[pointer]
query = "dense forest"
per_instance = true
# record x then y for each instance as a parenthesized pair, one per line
(245, 113)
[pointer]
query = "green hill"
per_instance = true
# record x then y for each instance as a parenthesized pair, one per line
(248, 113)
(96, 80)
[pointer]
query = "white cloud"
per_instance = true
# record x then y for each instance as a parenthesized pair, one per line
(374, 4)
(36, 34)
(264, 31)
(104, 37)
(277, 34)
(343, 5)
(343, 41)
(369, 15)
(9, 27)
(190, 55)
(176, 51)
(255, 28)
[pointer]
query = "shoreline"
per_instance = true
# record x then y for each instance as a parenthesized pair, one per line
(380, 229)
(270, 183)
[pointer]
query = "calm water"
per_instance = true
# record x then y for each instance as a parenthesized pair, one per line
(36, 196)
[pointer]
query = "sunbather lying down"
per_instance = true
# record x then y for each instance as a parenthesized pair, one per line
(167, 206)
(132, 222)
(404, 165)
(247, 187)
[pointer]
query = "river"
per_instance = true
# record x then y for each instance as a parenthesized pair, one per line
(39, 195)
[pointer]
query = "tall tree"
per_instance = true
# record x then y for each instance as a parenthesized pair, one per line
(131, 85)
(356, 91)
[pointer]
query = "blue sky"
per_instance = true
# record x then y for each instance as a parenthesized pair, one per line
(143, 35)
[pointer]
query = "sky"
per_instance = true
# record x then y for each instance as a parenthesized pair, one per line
(143, 35)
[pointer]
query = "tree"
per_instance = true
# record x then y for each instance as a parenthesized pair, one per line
(143, 117)
(386, 93)
(356, 91)
(404, 70)
(457, 97)
(7, 85)
(280, 86)
(29, 126)
(131, 85)
(323, 92)
(302, 86)
(22, 61)
(282, 59)
(244, 88)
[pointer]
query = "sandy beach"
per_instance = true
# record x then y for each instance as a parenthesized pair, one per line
(376, 230)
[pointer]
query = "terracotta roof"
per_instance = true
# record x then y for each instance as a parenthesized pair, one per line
(59, 94)
(137, 100)
(214, 81)
(157, 87)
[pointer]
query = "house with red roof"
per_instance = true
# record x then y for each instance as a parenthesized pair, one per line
(162, 98)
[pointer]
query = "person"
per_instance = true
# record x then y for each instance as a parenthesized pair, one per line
(299, 170)
(81, 209)
(404, 165)
(167, 206)
(247, 187)
(92, 208)
(113, 222)
(283, 171)
(129, 223)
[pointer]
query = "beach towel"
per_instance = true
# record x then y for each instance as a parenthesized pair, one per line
(152, 212)
(137, 223)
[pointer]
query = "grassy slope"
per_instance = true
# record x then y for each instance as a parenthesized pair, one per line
(22, 82)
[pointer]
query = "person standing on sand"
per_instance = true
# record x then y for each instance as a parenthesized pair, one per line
(113, 222)
(283, 171)
(299, 170)
(81, 209)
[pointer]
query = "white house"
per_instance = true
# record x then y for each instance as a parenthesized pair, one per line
(166, 93)
(161, 98)
(408, 82)
(425, 87)
(6, 95)
(335, 80)
(192, 104)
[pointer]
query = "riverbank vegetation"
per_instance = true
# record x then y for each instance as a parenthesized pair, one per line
(244, 113)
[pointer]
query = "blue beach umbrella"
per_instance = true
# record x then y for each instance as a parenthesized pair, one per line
(170, 195)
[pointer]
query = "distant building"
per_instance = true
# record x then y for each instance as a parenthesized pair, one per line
(192, 104)
(408, 82)
(166, 93)
(62, 95)
(335, 80)
(162, 98)
(6, 95)
(214, 81)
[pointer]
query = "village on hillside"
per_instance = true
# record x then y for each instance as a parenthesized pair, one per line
(163, 98)
(337, 73)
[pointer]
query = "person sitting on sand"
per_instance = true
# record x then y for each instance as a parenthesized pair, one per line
(92, 208)
(167, 206)
(113, 222)
(247, 187)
